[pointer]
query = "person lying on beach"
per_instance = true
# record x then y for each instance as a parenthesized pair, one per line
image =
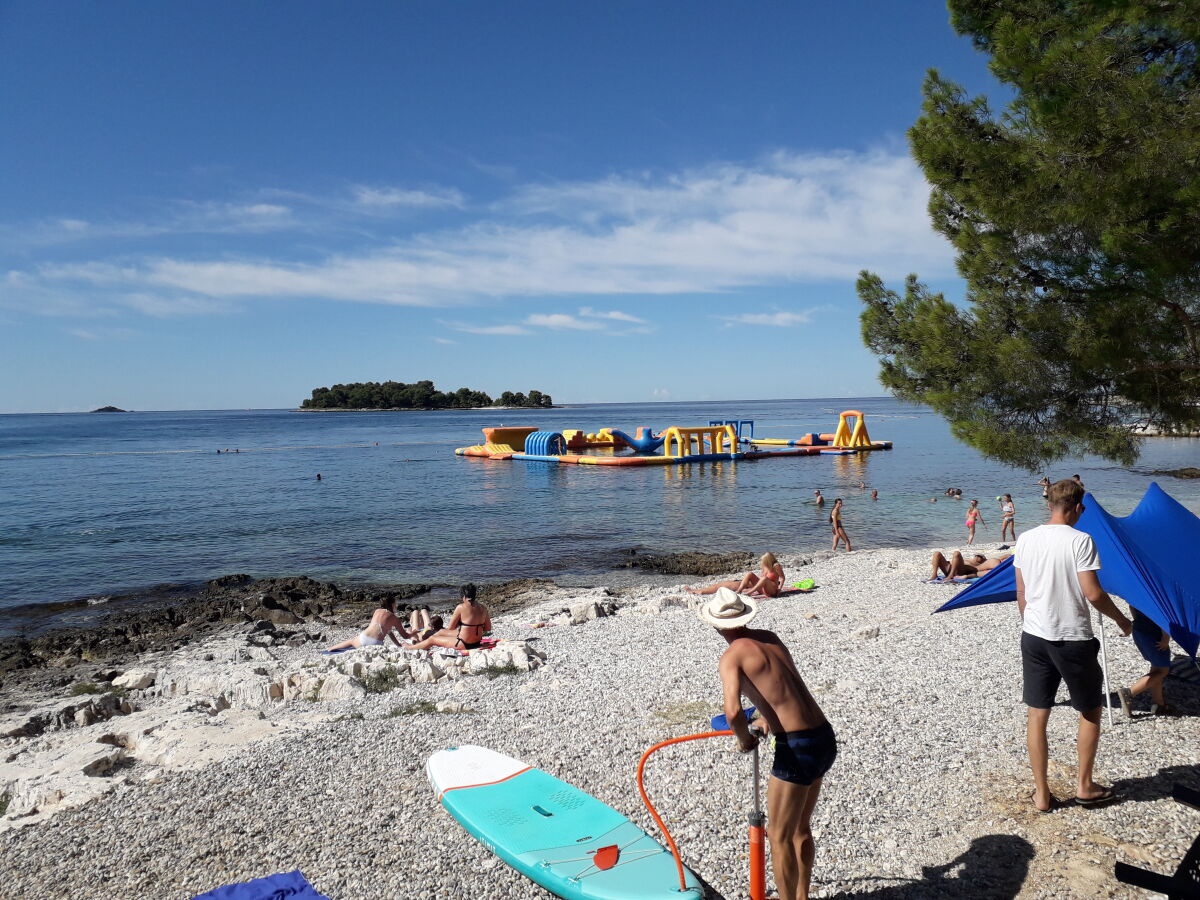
(470, 622)
(384, 623)
(958, 567)
(766, 583)
(421, 624)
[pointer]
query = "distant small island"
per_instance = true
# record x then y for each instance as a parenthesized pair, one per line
(421, 395)
(110, 409)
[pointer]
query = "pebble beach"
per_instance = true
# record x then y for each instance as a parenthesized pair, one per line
(929, 796)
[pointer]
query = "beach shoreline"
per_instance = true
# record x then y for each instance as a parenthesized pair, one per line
(931, 773)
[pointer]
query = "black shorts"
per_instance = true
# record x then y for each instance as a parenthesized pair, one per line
(1047, 664)
(801, 757)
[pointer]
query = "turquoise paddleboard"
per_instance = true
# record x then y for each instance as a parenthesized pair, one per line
(552, 832)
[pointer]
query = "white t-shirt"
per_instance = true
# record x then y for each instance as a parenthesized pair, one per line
(1050, 558)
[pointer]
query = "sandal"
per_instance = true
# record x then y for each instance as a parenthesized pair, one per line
(1105, 796)
(1033, 800)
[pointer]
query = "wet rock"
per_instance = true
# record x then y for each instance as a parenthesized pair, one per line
(702, 564)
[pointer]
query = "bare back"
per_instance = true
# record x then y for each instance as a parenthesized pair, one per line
(382, 622)
(473, 618)
(763, 670)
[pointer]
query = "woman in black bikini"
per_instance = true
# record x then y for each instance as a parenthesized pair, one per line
(470, 623)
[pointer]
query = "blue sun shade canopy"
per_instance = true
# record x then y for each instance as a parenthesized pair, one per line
(1150, 558)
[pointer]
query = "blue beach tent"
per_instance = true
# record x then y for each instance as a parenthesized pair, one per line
(1148, 558)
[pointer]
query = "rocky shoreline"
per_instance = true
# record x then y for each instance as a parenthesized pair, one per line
(173, 616)
(245, 752)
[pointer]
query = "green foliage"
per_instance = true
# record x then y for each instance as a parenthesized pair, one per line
(500, 671)
(84, 687)
(419, 708)
(422, 708)
(421, 395)
(382, 681)
(5, 799)
(1074, 218)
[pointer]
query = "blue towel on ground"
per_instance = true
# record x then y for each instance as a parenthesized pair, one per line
(284, 886)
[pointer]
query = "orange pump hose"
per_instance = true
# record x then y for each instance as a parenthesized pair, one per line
(650, 806)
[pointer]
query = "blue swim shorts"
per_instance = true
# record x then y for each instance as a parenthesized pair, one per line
(1147, 644)
(801, 757)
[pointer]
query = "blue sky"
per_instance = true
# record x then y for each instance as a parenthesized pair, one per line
(227, 204)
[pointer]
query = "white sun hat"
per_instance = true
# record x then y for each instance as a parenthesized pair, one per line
(728, 609)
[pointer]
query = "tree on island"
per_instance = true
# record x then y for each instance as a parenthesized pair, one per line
(1074, 217)
(421, 395)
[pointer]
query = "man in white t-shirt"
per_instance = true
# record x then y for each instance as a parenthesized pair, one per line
(1057, 588)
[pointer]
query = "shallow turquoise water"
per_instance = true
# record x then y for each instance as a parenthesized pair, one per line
(100, 504)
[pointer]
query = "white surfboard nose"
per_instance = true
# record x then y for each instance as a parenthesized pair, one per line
(469, 766)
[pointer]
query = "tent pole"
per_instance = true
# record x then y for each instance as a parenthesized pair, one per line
(1104, 667)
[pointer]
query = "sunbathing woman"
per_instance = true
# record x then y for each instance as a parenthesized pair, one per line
(384, 623)
(470, 622)
(766, 583)
(419, 621)
(958, 566)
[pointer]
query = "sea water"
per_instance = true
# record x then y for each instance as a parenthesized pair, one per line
(93, 505)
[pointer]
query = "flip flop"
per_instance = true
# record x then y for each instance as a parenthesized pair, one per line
(1033, 800)
(1106, 796)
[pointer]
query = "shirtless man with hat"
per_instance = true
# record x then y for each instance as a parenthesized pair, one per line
(759, 666)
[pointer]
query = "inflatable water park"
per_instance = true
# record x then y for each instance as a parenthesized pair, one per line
(721, 439)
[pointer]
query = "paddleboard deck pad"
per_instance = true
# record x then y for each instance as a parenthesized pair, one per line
(565, 840)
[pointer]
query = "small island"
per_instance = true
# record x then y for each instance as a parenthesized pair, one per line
(396, 395)
(110, 409)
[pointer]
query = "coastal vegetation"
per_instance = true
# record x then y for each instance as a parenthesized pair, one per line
(418, 708)
(1073, 217)
(420, 395)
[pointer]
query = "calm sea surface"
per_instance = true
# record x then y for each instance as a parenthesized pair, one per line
(94, 504)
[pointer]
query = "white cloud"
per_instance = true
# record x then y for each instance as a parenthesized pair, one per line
(616, 315)
(170, 306)
(102, 334)
(260, 210)
(442, 340)
(487, 329)
(562, 322)
(394, 197)
(780, 319)
(786, 219)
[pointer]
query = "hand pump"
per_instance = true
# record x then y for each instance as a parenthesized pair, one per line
(758, 848)
(758, 821)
